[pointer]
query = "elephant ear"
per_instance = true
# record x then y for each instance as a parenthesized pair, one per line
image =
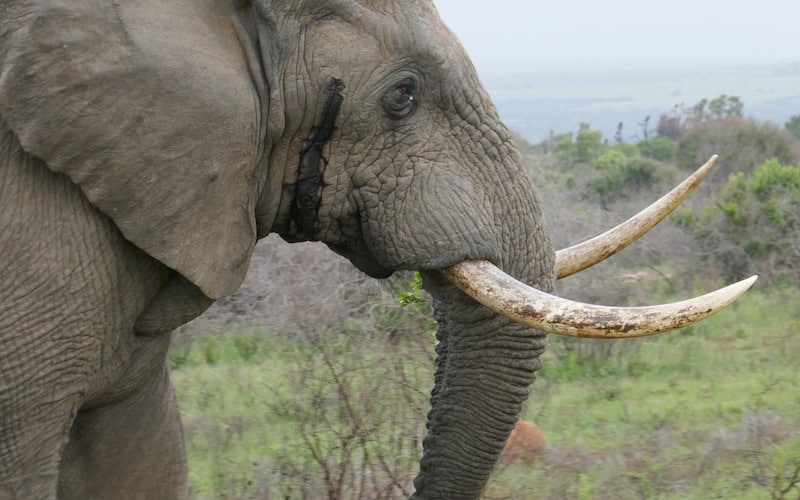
(150, 108)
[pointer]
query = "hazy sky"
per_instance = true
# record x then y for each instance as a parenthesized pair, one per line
(625, 30)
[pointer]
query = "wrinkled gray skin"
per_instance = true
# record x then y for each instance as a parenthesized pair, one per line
(145, 146)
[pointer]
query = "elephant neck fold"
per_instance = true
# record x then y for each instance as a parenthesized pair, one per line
(308, 187)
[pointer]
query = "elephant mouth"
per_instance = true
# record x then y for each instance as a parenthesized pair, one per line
(493, 288)
(363, 260)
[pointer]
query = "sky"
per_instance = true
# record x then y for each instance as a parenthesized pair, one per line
(621, 31)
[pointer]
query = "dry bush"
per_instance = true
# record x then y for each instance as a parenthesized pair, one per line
(293, 288)
(754, 441)
(359, 407)
(525, 444)
(742, 145)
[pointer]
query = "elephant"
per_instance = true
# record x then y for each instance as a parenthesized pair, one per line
(146, 146)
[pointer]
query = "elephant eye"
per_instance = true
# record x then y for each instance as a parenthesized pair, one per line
(400, 100)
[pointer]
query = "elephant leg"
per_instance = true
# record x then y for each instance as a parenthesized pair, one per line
(127, 450)
(72, 289)
(47, 351)
(33, 430)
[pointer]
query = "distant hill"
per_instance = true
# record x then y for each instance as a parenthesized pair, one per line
(534, 100)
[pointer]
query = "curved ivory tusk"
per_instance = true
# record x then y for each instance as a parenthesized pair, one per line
(498, 291)
(578, 257)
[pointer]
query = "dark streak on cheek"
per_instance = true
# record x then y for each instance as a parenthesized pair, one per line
(312, 163)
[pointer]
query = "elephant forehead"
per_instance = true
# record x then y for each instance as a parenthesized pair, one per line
(390, 32)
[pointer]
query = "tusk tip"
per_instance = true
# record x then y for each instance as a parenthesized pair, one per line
(733, 291)
(747, 283)
(706, 167)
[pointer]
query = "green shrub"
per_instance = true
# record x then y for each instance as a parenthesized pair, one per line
(660, 148)
(588, 145)
(564, 148)
(626, 149)
(620, 177)
(754, 228)
(610, 159)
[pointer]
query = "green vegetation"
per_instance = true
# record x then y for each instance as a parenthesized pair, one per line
(339, 418)
(660, 148)
(747, 223)
(618, 179)
(413, 295)
(756, 224)
(707, 412)
(793, 126)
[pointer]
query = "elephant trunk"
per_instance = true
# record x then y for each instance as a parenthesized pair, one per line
(484, 369)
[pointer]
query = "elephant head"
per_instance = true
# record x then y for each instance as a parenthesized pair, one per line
(199, 126)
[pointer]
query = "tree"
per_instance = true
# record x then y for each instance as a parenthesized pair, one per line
(588, 144)
(660, 148)
(793, 126)
(681, 119)
(672, 125)
(699, 111)
(725, 107)
(645, 124)
(618, 134)
(620, 177)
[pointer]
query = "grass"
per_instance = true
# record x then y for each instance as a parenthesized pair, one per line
(712, 411)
